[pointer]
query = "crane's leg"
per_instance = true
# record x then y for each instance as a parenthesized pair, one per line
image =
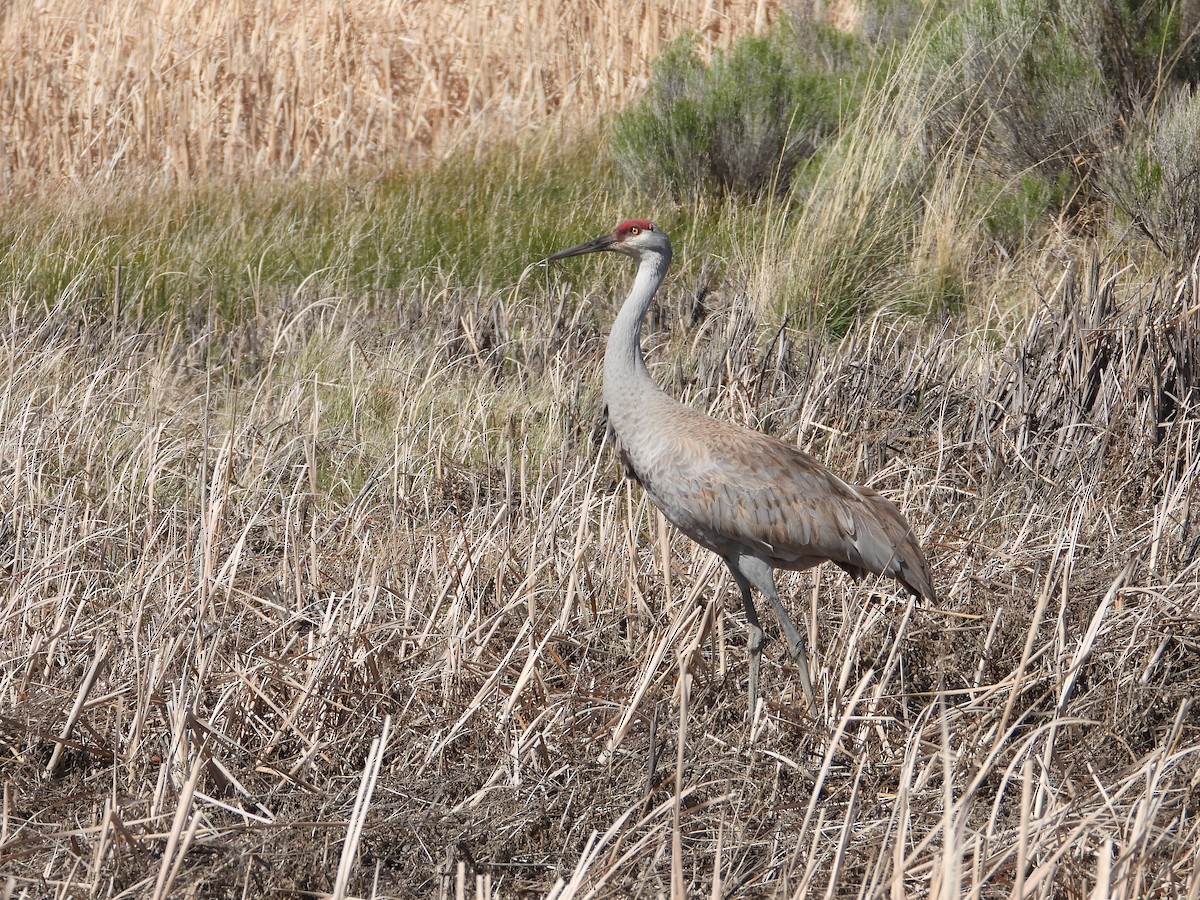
(760, 574)
(754, 645)
(796, 642)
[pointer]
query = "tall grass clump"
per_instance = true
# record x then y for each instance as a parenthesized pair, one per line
(740, 124)
(879, 220)
(839, 253)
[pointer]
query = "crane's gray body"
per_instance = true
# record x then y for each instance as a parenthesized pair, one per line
(757, 502)
(742, 493)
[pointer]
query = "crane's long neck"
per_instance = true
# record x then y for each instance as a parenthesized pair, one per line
(626, 379)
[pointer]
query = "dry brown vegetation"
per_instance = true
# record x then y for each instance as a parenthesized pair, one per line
(235, 560)
(190, 88)
(317, 575)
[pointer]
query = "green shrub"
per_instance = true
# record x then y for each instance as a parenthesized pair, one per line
(1051, 86)
(1031, 95)
(1155, 180)
(1147, 48)
(1013, 209)
(740, 125)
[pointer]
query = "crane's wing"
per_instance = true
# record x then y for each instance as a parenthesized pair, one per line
(736, 490)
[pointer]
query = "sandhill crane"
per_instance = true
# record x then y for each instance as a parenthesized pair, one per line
(757, 502)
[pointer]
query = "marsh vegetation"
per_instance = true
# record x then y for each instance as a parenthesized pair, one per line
(317, 571)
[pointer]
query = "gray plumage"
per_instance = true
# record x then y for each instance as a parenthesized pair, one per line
(757, 502)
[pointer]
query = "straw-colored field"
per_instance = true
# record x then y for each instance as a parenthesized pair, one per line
(318, 576)
(191, 88)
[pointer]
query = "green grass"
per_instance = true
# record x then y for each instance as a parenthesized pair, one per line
(172, 251)
(742, 123)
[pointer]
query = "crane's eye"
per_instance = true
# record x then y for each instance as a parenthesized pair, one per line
(634, 230)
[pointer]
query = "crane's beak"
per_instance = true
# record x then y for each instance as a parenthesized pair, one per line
(600, 243)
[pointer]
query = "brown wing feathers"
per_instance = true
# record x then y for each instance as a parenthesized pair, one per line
(732, 486)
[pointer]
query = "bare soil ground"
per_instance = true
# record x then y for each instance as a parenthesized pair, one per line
(357, 588)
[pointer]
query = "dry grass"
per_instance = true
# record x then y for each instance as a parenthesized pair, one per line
(188, 88)
(352, 599)
(317, 576)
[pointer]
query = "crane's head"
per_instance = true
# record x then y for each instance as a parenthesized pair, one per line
(636, 238)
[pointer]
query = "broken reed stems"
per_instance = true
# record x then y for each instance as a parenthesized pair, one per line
(283, 542)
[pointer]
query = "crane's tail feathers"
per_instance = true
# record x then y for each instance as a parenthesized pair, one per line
(917, 582)
(858, 573)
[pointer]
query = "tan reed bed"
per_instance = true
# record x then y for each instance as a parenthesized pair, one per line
(186, 89)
